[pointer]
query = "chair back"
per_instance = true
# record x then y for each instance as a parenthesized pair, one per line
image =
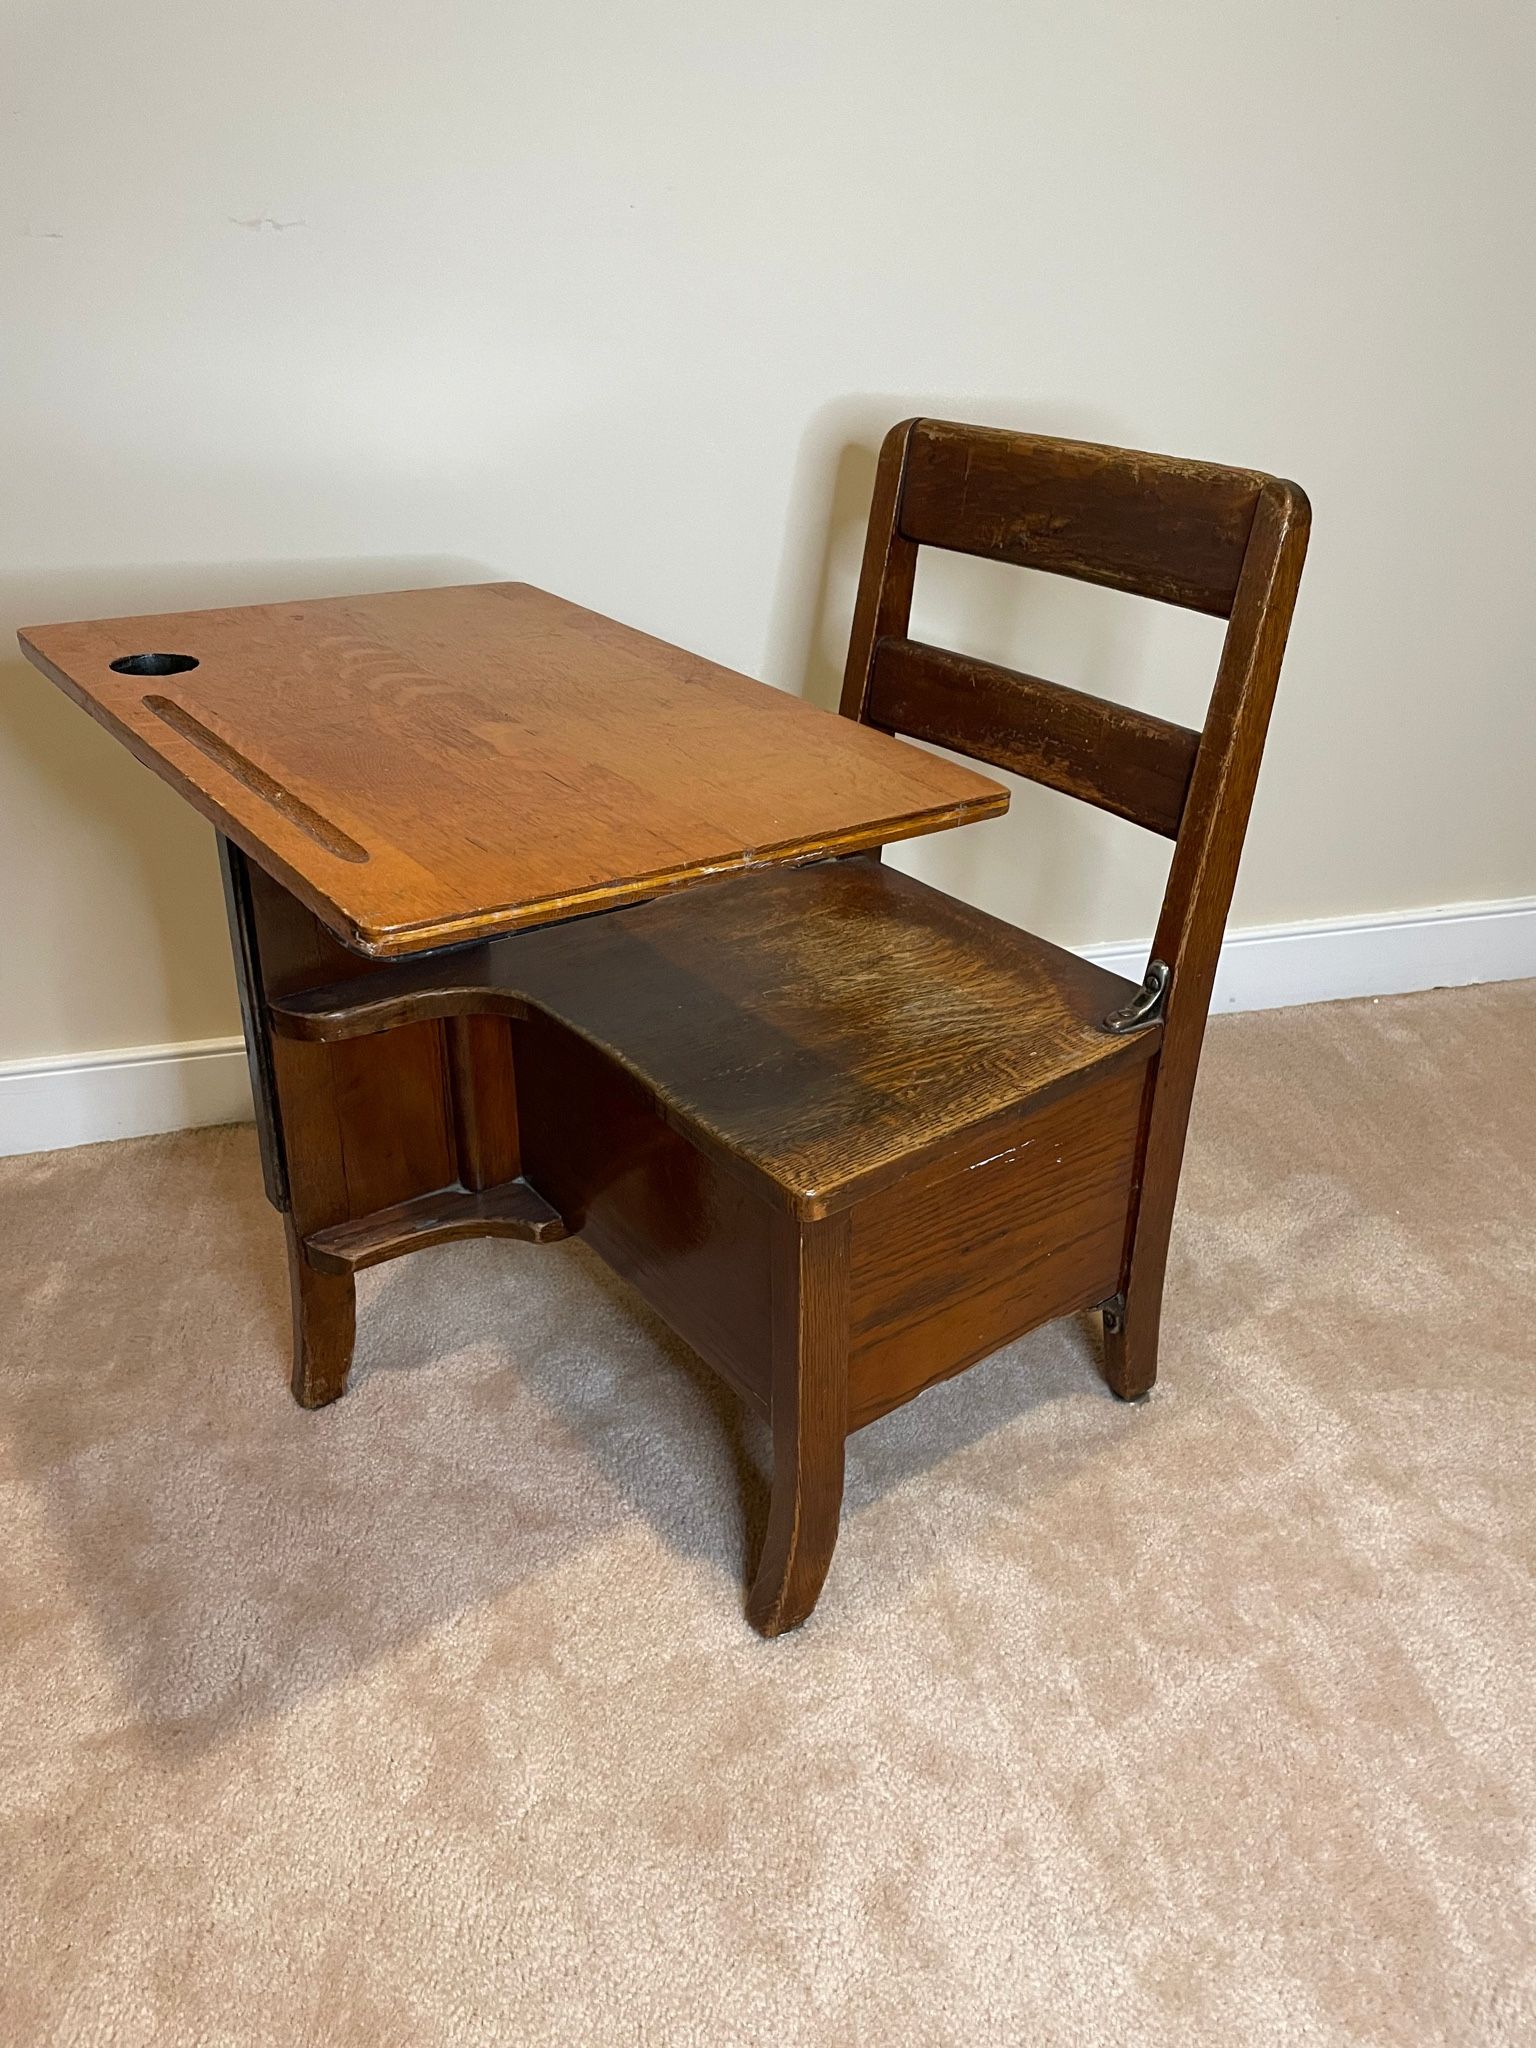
(1229, 542)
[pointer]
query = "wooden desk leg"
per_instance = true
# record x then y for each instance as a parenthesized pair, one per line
(347, 1130)
(809, 1405)
(324, 1327)
(484, 1097)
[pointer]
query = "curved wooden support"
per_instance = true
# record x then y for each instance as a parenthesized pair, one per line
(810, 1422)
(475, 981)
(512, 1210)
(321, 1267)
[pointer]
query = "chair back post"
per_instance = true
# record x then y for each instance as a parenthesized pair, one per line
(1224, 541)
(883, 607)
(1201, 880)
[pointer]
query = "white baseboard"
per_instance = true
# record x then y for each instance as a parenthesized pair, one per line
(1270, 967)
(137, 1090)
(129, 1093)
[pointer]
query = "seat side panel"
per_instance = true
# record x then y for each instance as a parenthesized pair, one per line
(998, 1237)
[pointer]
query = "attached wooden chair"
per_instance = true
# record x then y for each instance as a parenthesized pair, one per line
(847, 1134)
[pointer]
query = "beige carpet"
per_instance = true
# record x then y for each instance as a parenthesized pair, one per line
(434, 1718)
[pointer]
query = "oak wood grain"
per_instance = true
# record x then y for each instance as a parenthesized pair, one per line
(996, 1237)
(819, 1032)
(427, 767)
(846, 1134)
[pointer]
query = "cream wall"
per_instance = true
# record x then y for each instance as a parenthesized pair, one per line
(309, 296)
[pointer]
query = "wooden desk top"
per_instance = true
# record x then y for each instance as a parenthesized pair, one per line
(431, 766)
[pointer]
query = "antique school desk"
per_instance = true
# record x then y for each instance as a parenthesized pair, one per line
(847, 1134)
(401, 774)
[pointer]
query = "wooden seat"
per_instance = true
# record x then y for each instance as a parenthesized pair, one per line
(847, 1134)
(819, 1031)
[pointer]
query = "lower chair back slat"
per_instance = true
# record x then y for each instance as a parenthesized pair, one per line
(1151, 524)
(1125, 761)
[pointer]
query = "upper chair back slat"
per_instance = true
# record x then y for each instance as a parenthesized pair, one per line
(1148, 524)
(1124, 761)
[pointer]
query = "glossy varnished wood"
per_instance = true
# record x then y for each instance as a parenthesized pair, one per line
(1155, 525)
(1226, 541)
(395, 1145)
(364, 1126)
(513, 1210)
(482, 1084)
(809, 1409)
(845, 1134)
(324, 1326)
(994, 1238)
(1122, 760)
(944, 1141)
(1024, 1222)
(359, 1129)
(425, 767)
(820, 1032)
(1196, 902)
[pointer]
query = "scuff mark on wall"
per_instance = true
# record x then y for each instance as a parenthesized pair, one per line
(263, 223)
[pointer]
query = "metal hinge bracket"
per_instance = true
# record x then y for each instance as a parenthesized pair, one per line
(1146, 1006)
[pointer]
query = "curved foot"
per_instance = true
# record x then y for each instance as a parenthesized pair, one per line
(810, 1422)
(802, 1534)
(324, 1329)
